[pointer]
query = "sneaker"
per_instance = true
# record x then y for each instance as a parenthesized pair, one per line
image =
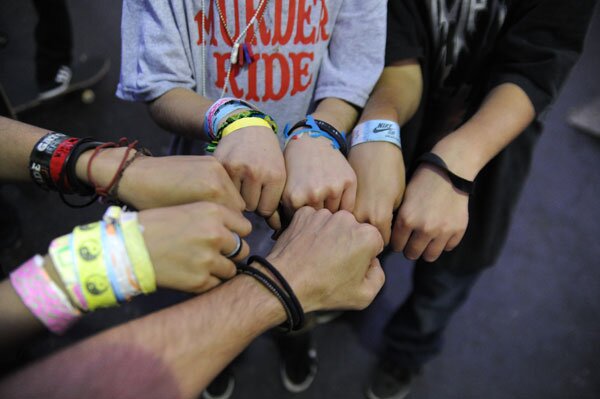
(299, 368)
(390, 381)
(59, 85)
(221, 387)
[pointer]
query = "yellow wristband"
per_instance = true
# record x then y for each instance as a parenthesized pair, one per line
(62, 257)
(89, 258)
(245, 122)
(138, 253)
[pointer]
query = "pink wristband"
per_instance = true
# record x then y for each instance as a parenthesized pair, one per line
(42, 296)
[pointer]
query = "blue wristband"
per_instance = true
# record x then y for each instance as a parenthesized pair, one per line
(377, 130)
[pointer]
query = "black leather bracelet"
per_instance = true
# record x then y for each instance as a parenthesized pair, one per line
(275, 290)
(464, 185)
(329, 129)
(296, 306)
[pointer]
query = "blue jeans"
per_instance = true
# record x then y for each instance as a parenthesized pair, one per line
(414, 333)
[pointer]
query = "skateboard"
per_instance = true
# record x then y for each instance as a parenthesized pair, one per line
(86, 74)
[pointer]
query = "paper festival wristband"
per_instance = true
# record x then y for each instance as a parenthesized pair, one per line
(377, 130)
(42, 296)
(137, 251)
(89, 258)
(125, 277)
(61, 253)
(245, 122)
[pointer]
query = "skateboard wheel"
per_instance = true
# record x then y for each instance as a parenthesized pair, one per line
(88, 96)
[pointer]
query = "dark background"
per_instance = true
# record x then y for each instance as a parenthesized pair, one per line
(531, 328)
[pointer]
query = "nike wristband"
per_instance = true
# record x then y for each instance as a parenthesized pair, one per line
(458, 182)
(376, 130)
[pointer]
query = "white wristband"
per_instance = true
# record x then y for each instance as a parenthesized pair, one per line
(376, 130)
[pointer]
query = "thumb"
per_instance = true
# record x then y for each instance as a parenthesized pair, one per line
(374, 278)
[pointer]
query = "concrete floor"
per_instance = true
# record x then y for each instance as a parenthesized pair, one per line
(531, 328)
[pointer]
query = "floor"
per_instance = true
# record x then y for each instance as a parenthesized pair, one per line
(531, 327)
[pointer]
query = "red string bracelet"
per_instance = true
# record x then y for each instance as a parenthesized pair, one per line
(103, 191)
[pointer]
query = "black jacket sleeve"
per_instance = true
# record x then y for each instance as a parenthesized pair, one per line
(540, 43)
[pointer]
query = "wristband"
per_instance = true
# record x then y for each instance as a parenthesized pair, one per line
(274, 288)
(138, 254)
(89, 259)
(41, 155)
(57, 164)
(61, 253)
(42, 296)
(293, 302)
(376, 130)
(125, 277)
(464, 185)
(319, 128)
(244, 122)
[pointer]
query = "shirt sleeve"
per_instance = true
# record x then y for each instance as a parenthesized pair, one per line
(153, 57)
(355, 56)
(539, 46)
(403, 39)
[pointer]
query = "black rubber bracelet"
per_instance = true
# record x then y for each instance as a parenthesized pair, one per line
(295, 302)
(82, 146)
(39, 160)
(326, 127)
(275, 290)
(464, 185)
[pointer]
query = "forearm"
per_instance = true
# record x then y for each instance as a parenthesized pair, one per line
(397, 94)
(18, 140)
(19, 324)
(337, 113)
(504, 114)
(172, 353)
(181, 111)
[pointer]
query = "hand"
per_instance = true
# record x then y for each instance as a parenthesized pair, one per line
(329, 260)
(153, 182)
(433, 216)
(254, 161)
(318, 176)
(380, 174)
(187, 244)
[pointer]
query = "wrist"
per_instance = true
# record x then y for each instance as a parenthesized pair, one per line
(460, 157)
(104, 165)
(269, 312)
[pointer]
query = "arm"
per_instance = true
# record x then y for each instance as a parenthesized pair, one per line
(318, 175)
(434, 215)
(148, 183)
(379, 166)
(186, 245)
(177, 351)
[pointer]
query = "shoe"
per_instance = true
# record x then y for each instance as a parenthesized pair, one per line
(390, 381)
(59, 85)
(221, 387)
(299, 367)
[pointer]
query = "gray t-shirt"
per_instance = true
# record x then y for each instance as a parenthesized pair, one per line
(305, 50)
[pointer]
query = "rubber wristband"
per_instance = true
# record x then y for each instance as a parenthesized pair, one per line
(464, 185)
(376, 130)
(57, 164)
(318, 125)
(40, 157)
(244, 122)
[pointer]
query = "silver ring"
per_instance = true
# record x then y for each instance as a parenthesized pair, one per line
(238, 247)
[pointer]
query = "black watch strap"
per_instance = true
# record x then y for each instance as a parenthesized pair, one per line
(464, 185)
